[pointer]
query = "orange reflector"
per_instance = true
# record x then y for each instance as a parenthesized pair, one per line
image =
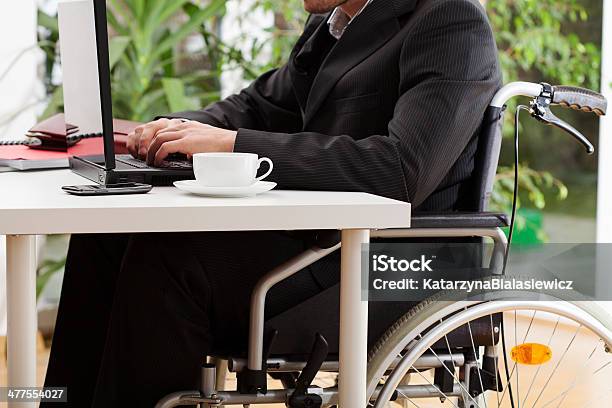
(531, 353)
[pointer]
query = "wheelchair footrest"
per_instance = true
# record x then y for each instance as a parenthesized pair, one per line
(300, 397)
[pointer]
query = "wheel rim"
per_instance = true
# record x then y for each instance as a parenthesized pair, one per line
(526, 393)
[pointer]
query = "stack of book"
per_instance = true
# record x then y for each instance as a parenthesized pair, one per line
(50, 143)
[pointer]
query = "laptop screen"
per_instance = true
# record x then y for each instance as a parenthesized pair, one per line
(86, 72)
(106, 102)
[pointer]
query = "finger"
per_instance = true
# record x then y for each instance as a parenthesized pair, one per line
(148, 132)
(142, 148)
(175, 127)
(175, 122)
(131, 144)
(167, 148)
(172, 123)
(158, 141)
(153, 130)
(137, 134)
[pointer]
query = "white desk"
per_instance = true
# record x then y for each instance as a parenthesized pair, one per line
(32, 203)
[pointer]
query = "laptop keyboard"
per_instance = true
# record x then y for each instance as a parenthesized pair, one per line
(168, 164)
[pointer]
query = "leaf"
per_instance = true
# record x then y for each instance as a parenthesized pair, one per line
(115, 24)
(174, 90)
(159, 14)
(116, 47)
(138, 8)
(47, 21)
(56, 103)
(46, 271)
(123, 8)
(196, 20)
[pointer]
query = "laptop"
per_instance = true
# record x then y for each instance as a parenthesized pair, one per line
(88, 101)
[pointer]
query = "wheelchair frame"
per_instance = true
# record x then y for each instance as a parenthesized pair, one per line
(211, 393)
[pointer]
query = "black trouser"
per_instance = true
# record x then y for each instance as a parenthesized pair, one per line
(138, 313)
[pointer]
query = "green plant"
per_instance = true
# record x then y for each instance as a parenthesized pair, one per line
(531, 38)
(46, 270)
(289, 20)
(151, 70)
(532, 182)
(532, 43)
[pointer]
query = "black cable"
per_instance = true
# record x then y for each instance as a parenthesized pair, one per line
(508, 382)
(516, 182)
(510, 233)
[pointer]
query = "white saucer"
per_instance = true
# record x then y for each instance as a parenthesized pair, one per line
(192, 186)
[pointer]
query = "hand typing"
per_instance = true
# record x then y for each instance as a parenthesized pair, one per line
(138, 141)
(156, 140)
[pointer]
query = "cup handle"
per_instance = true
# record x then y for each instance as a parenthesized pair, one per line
(264, 159)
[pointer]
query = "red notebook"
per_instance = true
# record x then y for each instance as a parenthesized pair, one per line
(24, 158)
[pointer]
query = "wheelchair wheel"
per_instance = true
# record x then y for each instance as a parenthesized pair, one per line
(556, 353)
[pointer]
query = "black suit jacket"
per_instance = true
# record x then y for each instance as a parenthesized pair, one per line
(392, 108)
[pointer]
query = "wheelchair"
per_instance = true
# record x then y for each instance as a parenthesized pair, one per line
(437, 352)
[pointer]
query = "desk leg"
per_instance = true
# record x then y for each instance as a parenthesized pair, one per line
(353, 323)
(21, 312)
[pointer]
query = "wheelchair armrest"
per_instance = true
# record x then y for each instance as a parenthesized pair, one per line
(459, 220)
(326, 239)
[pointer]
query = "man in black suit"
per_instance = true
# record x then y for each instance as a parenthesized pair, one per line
(379, 96)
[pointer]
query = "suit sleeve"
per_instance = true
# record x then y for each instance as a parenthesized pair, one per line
(449, 74)
(268, 103)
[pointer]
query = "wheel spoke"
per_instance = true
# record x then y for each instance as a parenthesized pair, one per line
(477, 367)
(496, 362)
(601, 368)
(529, 327)
(518, 389)
(465, 390)
(574, 383)
(558, 364)
(540, 366)
(436, 387)
(454, 374)
(450, 353)
(525, 339)
(408, 399)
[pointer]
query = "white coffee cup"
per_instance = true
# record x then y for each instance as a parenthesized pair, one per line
(228, 169)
